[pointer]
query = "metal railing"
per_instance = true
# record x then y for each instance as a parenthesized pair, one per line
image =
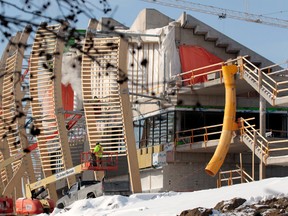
(211, 74)
(266, 77)
(229, 177)
(208, 73)
(259, 141)
(202, 134)
(265, 146)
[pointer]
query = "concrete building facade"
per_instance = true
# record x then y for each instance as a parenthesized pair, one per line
(164, 105)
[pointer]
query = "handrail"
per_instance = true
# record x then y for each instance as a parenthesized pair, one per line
(205, 67)
(190, 137)
(233, 175)
(274, 142)
(262, 74)
(264, 79)
(245, 174)
(264, 147)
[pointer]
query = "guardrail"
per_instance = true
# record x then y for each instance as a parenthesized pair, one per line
(265, 77)
(264, 145)
(202, 134)
(231, 176)
(258, 140)
(208, 72)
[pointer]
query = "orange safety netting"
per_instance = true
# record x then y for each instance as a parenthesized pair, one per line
(193, 57)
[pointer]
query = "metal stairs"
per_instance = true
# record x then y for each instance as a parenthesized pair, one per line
(270, 82)
(271, 151)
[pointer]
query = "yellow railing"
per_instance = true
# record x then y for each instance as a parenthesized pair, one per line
(214, 74)
(265, 77)
(202, 134)
(258, 140)
(230, 176)
(273, 148)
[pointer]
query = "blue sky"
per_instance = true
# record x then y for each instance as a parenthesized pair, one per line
(269, 41)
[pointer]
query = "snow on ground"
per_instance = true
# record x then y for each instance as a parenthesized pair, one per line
(173, 203)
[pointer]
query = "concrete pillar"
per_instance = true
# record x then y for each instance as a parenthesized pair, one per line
(262, 170)
(262, 113)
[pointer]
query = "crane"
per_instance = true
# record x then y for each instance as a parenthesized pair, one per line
(221, 12)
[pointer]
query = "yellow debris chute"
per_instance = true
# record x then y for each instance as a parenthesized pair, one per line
(228, 122)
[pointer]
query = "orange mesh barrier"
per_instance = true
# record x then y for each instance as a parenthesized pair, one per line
(193, 57)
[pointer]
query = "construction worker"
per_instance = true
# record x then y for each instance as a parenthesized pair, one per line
(98, 151)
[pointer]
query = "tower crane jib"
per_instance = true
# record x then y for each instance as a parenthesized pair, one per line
(221, 12)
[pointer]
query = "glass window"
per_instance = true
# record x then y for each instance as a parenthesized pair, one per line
(155, 130)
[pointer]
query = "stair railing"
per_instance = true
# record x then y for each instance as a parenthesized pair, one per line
(233, 175)
(263, 76)
(273, 148)
(259, 141)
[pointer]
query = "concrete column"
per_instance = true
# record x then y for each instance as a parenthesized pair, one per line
(262, 113)
(262, 170)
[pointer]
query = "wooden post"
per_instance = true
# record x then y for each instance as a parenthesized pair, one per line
(230, 179)
(219, 180)
(128, 122)
(253, 154)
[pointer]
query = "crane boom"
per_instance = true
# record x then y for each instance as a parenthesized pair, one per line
(44, 182)
(221, 12)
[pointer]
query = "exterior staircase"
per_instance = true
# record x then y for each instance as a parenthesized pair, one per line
(264, 76)
(270, 151)
(270, 82)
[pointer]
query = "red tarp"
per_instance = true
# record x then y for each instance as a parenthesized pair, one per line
(193, 57)
(67, 98)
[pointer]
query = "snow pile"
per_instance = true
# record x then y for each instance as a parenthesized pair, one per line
(173, 203)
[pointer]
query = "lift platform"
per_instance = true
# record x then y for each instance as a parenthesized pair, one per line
(109, 161)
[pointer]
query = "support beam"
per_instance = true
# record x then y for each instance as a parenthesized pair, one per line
(128, 121)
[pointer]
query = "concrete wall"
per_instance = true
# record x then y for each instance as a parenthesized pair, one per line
(152, 180)
(276, 171)
(189, 38)
(150, 19)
